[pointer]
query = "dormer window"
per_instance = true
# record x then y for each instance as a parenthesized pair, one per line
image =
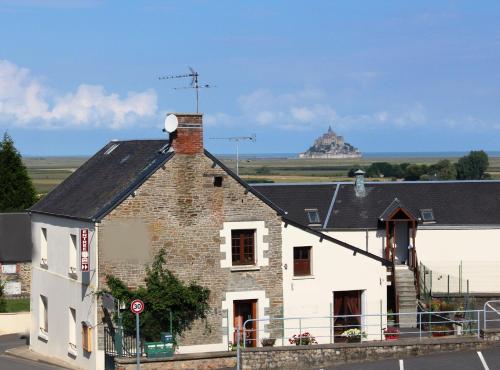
(427, 215)
(313, 216)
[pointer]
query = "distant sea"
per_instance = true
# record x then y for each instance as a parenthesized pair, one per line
(494, 153)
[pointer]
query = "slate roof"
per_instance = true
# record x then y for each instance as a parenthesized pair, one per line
(105, 179)
(296, 198)
(15, 237)
(455, 203)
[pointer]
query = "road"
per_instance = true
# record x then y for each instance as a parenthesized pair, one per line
(469, 360)
(13, 363)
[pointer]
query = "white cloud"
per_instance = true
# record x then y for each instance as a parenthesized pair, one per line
(25, 101)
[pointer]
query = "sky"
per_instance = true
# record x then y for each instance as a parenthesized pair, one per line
(390, 76)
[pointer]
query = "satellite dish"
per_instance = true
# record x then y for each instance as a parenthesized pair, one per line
(171, 123)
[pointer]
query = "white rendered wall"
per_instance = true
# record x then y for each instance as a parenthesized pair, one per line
(334, 268)
(372, 241)
(478, 249)
(63, 292)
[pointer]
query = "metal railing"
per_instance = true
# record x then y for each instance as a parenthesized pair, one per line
(491, 316)
(347, 328)
(123, 347)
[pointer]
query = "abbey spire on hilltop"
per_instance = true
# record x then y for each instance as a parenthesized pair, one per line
(330, 145)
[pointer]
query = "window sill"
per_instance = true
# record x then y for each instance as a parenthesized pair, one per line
(72, 274)
(305, 277)
(44, 265)
(43, 336)
(72, 350)
(245, 268)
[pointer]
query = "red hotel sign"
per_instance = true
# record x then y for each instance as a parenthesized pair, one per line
(84, 249)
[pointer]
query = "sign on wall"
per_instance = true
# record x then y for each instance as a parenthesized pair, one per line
(84, 250)
(12, 288)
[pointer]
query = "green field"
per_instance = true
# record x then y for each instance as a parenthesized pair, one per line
(48, 172)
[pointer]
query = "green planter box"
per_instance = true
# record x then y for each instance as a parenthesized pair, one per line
(158, 349)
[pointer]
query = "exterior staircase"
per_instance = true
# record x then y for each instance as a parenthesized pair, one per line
(407, 296)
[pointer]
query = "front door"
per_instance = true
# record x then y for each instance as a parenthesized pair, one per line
(245, 310)
(402, 240)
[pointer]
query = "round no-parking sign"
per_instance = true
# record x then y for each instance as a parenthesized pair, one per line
(137, 306)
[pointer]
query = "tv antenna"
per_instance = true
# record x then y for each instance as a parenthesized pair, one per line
(237, 140)
(193, 85)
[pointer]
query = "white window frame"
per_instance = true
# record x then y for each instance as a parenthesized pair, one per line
(73, 254)
(43, 317)
(72, 348)
(44, 246)
(261, 232)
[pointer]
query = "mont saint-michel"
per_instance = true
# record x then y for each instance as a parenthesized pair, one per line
(331, 145)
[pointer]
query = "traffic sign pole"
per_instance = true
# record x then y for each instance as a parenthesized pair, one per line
(137, 306)
(138, 341)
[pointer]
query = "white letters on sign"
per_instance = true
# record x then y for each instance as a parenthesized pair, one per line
(84, 250)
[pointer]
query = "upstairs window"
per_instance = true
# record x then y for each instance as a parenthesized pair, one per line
(243, 247)
(427, 215)
(313, 216)
(72, 263)
(301, 261)
(43, 246)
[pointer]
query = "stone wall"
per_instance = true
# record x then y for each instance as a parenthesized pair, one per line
(183, 212)
(205, 361)
(312, 357)
(22, 275)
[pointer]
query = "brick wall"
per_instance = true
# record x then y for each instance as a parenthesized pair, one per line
(184, 213)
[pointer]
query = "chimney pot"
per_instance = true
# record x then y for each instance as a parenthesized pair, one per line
(359, 183)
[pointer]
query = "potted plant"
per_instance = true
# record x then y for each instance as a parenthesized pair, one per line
(391, 333)
(440, 330)
(303, 339)
(267, 342)
(353, 335)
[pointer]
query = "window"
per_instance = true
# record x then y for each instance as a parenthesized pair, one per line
(43, 315)
(243, 247)
(313, 216)
(72, 329)
(9, 269)
(72, 254)
(427, 215)
(218, 181)
(86, 336)
(111, 148)
(43, 246)
(301, 261)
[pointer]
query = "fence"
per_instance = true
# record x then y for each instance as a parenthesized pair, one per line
(354, 328)
(120, 345)
(432, 281)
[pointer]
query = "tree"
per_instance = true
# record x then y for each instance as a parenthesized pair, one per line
(162, 294)
(414, 171)
(473, 166)
(2, 298)
(16, 189)
(443, 170)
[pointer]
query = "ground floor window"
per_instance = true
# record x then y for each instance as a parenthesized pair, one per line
(346, 305)
(43, 312)
(72, 329)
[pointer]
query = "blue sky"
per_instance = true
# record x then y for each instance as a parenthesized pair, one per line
(387, 75)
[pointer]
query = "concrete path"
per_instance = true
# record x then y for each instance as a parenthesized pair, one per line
(15, 355)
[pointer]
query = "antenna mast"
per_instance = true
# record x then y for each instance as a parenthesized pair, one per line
(193, 85)
(237, 139)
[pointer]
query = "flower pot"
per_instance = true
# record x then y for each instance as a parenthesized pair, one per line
(391, 336)
(268, 342)
(355, 339)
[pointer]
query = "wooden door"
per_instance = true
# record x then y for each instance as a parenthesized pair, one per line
(245, 310)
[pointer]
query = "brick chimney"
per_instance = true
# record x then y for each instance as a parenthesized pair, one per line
(188, 138)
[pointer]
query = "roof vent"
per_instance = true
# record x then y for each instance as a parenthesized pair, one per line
(359, 183)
